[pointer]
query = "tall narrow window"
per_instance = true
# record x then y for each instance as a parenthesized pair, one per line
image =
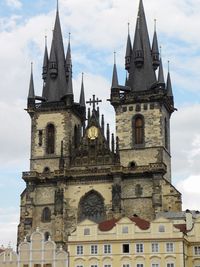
(46, 215)
(138, 127)
(50, 131)
(75, 136)
(166, 134)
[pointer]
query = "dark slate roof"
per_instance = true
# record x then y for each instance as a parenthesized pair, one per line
(143, 78)
(155, 49)
(128, 46)
(169, 85)
(46, 58)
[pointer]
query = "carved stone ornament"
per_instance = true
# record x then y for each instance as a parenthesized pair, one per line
(116, 197)
(92, 133)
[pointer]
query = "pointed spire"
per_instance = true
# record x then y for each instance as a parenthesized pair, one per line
(138, 51)
(155, 49)
(45, 61)
(115, 75)
(82, 95)
(169, 84)
(56, 83)
(128, 50)
(161, 79)
(70, 86)
(68, 59)
(142, 75)
(31, 93)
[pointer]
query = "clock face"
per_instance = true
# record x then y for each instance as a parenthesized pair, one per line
(93, 133)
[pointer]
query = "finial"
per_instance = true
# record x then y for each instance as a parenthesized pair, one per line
(128, 27)
(82, 76)
(69, 38)
(31, 67)
(155, 22)
(115, 57)
(168, 62)
(45, 40)
(57, 5)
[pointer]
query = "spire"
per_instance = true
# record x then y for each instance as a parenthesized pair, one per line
(82, 95)
(155, 49)
(45, 61)
(115, 76)
(161, 79)
(128, 50)
(70, 86)
(68, 59)
(142, 75)
(31, 94)
(169, 84)
(56, 84)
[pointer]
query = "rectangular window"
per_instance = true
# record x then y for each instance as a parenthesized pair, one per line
(125, 229)
(107, 249)
(197, 250)
(79, 265)
(154, 247)
(79, 250)
(107, 265)
(94, 265)
(125, 248)
(40, 133)
(94, 249)
(139, 248)
(170, 247)
(140, 265)
(155, 265)
(170, 265)
(126, 265)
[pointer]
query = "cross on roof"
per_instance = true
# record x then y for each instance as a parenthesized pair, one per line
(94, 101)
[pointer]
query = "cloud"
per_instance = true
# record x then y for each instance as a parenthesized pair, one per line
(14, 3)
(189, 188)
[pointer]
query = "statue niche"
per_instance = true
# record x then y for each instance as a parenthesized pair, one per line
(91, 206)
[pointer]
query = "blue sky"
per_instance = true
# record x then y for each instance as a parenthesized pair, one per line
(98, 28)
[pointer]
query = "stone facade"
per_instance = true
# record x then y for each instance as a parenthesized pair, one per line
(78, 169)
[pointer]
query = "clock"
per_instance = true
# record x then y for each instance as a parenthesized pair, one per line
(92, 133)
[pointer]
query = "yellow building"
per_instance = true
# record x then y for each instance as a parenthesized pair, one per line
(134, 242)
(36, 253)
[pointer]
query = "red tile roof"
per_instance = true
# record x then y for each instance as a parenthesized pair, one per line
(108, 225)
(181, 227)
(141, 223)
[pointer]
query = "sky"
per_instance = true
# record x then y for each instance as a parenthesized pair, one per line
(98, 28)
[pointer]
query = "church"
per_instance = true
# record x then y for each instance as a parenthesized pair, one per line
(78, 169)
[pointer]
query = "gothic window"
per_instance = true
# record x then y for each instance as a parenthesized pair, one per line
(46, 215)
(40, 137)
(75, 136)
(50, 138)
(166, 134)
(91, 207)
(138, 130)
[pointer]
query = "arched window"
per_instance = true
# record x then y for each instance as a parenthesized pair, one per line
(75, 136)
(50, 135)
(138, 128)
(46, 215)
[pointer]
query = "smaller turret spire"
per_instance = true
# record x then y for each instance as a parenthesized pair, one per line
(45, 61)
(68, 58)
(169, 84)
(137, 47)
(115, 76)
(82, 95)
(161, 79)
(53, 66)
(155, 49)
(31, 93)
(128, 50)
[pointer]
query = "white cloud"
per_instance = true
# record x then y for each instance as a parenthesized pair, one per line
(14, 3)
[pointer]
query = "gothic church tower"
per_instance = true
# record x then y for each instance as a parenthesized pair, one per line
(78, 169)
